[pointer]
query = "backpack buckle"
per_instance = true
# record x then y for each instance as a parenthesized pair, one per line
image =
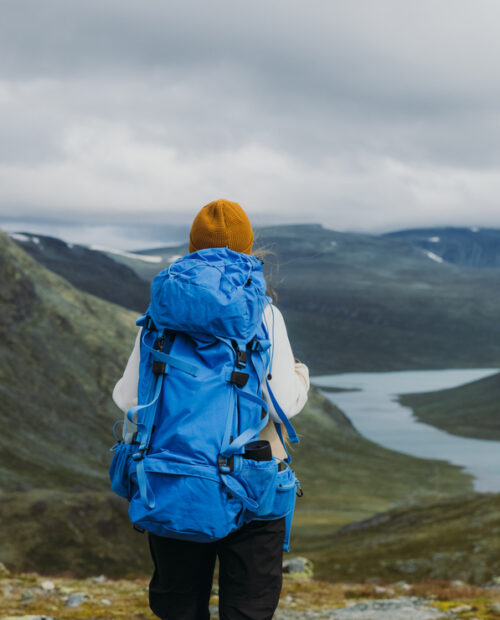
(158, 367)
(225, 465)
(241, 358)
(138, 456)
(239, 378)
(254, 345)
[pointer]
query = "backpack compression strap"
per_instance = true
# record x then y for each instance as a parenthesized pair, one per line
(149, 412)
(236, 447)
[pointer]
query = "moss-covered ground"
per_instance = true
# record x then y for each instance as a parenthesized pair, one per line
(26, 594)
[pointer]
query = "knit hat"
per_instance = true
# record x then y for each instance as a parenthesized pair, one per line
(220, 224)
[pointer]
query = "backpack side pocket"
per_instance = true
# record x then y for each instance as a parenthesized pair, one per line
(119, 469)
(259, 480)
(282, 500)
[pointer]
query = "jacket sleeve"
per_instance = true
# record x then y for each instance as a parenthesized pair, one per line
(125, 391)
(290, 379)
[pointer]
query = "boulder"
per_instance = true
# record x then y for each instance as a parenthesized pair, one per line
(299, 568)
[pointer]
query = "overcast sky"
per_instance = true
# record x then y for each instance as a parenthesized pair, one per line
(359, 114)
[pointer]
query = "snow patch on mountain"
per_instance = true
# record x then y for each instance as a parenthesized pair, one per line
(144, 257)
(433, 256)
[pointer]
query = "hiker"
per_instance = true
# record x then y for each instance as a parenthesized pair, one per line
(250, 558)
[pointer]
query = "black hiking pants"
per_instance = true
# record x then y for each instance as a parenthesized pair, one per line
(250, 574)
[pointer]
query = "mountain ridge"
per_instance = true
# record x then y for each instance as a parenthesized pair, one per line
(356, 302)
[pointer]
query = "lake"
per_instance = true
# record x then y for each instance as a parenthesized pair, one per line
(376, 413)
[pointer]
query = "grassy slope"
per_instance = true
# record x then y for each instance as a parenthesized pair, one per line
(346, 477)
(61, 351)
(471, 410)
(455, 538)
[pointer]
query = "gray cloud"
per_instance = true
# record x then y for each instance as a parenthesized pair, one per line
(360, 115)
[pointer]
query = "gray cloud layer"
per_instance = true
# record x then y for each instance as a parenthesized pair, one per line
(360, 115)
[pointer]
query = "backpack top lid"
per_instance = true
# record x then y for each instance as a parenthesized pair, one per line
(214, 292)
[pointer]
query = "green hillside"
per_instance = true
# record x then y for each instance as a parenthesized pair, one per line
(455, 538)
(346, 477)
(471, 410)
(60, 353)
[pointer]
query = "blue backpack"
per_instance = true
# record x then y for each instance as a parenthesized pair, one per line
(204, 356)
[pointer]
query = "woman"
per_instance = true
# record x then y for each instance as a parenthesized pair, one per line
(250, 559)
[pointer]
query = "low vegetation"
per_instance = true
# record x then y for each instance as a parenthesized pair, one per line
(471, 410)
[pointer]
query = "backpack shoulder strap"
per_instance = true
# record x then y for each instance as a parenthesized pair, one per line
(282, 416)
(279, 411)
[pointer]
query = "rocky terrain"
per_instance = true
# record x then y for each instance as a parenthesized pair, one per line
(28, 596)
(452, 538)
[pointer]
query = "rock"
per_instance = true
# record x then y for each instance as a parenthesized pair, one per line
(27, 596)
(100, 579)
(399, 608)
(76, 599)
(402, 585)
(27, 618)
(495, 607)
(460, 609)
(48, 586)
(389, 609)
(105, 601)
(298, 568)
(4, 571)
(457, 583)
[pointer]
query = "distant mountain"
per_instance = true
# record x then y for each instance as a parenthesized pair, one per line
(471, 247)
(90, 271)
(356, 302)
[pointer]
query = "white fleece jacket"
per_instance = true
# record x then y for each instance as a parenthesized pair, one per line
(289, 382)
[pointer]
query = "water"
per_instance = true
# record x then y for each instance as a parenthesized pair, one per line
(377, 415)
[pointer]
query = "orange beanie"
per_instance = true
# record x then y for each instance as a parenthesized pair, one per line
(220, 224)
